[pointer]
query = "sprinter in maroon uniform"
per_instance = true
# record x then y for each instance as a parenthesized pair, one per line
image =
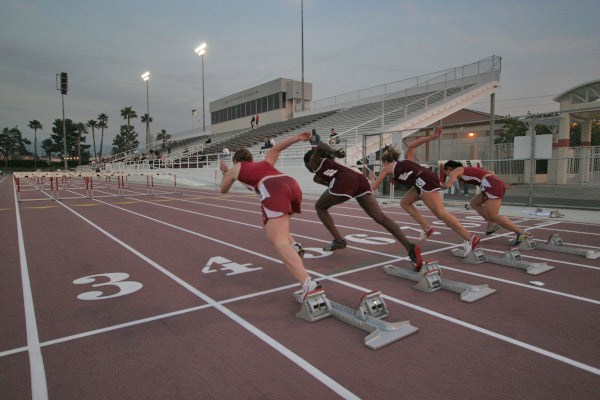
(488, 201)
(425, 186)
(281, 197)
(344, 184)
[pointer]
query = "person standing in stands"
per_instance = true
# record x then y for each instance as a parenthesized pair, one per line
(333, 137)
(488, 201)
(425, 186)
(344, 184)
(252, 122)
(281, 197)
(314, 138)
(257, 119)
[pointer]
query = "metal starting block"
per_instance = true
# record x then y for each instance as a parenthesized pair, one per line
(511, 258)
(367, 317)
(429, 279)
(556, 244)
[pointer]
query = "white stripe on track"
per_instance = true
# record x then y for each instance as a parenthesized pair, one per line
(39, 387)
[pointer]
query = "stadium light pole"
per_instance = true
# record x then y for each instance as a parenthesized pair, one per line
(302, 39)
(146, 78)
(201, 50)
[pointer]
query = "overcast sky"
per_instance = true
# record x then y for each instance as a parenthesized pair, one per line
(546, 46)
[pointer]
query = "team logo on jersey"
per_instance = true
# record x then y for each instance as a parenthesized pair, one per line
(330, 172)
(405, 176)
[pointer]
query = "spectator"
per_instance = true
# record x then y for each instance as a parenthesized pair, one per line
(333, 137)
(252, 122)
(208, 140)
(314, 139)
(257, 118)
(269, 142)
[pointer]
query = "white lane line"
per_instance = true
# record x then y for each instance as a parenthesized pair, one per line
(296, 359)
(39, 388)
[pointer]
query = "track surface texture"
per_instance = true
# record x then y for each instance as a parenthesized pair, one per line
(180, 296)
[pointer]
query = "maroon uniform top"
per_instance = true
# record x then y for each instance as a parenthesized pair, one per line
(491, 186)
(422, 178)
(341, 180)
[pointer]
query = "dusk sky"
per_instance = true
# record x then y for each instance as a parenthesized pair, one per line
(546, 47)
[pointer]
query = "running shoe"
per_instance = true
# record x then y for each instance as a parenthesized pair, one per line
(521, 237)
(308, 287)
(491, 228)
(414, 253)
(470, 244)
(298, 248)
(425, 234)
(335, 245)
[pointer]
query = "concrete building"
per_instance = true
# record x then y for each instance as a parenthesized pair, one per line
(273, 101)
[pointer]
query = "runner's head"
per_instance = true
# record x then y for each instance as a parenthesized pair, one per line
(242, 155)
(451, 164)
(390, 154)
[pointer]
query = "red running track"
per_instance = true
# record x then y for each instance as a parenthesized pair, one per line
(179, 296)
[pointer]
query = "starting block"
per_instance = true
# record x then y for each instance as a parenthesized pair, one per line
(556, 244)
(429, 279)
(511, 258)
(368, 317)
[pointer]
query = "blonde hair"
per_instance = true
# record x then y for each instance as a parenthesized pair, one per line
(390, 154)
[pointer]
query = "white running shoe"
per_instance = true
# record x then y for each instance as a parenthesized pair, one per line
(425, 234)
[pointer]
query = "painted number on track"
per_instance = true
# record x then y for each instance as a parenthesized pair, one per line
(364, 239)
(227, 265)
(114, 279)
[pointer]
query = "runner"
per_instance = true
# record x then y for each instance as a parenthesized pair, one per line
(345, 184)
(425, 186)
(281, 197)
(488, 201)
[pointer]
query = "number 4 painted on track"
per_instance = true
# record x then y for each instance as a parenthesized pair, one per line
(226, 264)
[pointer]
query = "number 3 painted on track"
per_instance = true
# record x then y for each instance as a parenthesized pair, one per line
(114, 279)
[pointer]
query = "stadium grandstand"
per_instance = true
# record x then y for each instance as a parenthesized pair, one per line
(391, 114)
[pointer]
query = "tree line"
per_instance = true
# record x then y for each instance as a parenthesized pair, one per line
(14, 146)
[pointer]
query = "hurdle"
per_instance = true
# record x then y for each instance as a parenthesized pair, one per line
(429, 280)
(368, 317)
(511, 258)
(556, 244)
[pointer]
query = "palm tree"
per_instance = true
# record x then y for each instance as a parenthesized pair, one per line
(35, 125)
(128, 113)
(102, 123)
(147, 120)
(93, 124)
(48, 146)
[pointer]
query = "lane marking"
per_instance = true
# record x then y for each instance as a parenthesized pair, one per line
(39, 387)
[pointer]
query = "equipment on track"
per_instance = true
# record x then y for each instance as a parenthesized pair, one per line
(429, 279)
(511, 258)
(368, 317)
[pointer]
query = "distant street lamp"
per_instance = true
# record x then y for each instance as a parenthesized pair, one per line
(146, 78)
(201, 50)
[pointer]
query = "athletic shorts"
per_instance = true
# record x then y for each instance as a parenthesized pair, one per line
(492, 187)
(280, 195)
(427, 181)
(349, 185)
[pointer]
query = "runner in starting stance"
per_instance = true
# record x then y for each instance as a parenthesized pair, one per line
(426, 186)
(488, 201)
(281, 196)
(345, 184)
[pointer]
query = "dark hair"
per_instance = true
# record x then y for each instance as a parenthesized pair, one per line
(452, 164)
(314, 131)
(309, 154)
(242, 155)
(390, 154)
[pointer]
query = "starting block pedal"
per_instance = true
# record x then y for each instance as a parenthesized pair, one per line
(368, 317)
(556, 244)
(429, 279)
(511, 258)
